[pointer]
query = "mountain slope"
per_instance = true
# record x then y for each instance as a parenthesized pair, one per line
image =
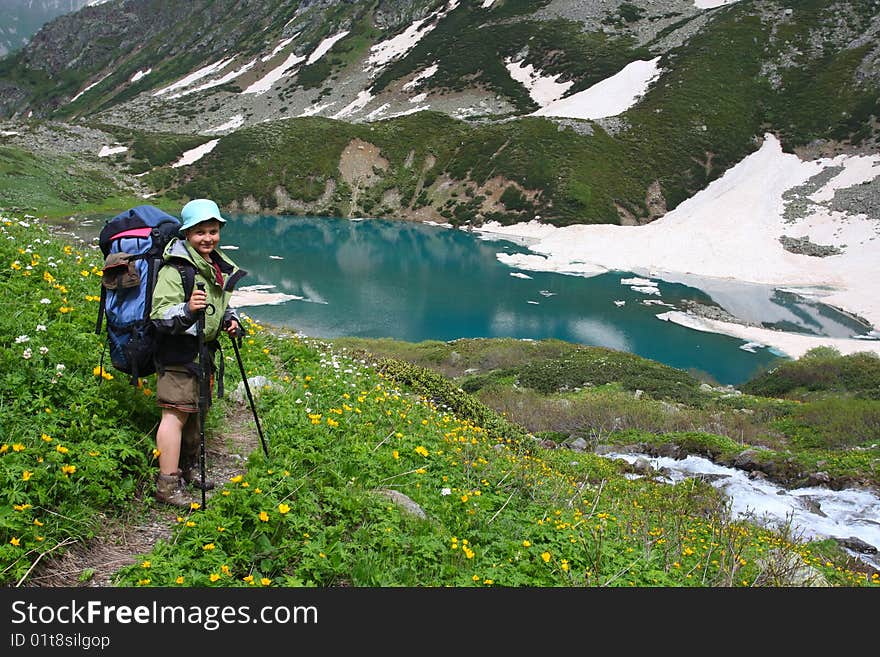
(257, 76)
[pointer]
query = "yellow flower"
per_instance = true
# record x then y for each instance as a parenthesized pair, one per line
(4, 448)
(208, 546)
(37, 522)
(194, 506)
(236, 479)
(395, 454)
(68, 469)
(545, 556)
(98, 370)
(179, 580)
(249, 579)
(27, 474)
(464, 498)
(156, 453)
(15, 541)
(265, 581)
(46, 438)
(283, 508)
(143, 582)
(527, 543)
(146, 564)
(565, 565)
(264, 517)
(21, 507)
(18, 447)
(61, 449)
(421, 450)
(214, 577)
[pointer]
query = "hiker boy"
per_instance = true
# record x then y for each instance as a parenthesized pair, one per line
(177, 359)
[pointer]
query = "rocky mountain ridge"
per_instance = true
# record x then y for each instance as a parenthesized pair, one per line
(21, 19)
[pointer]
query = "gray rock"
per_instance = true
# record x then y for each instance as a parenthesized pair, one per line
(257, 384)
(404, 502)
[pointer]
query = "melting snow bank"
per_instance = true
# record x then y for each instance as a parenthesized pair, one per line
(793, 345)
(733, 231)
(814, 513)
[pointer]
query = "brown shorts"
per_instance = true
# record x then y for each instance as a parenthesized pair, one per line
(178, 388)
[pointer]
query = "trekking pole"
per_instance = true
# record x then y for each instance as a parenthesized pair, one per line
(203, 398)
(247, 389)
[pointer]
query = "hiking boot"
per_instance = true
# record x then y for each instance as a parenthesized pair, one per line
(193, 476)
(170, 490)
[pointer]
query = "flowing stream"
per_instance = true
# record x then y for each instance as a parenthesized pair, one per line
(814, 512)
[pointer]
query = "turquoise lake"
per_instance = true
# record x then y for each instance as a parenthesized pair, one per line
(414, 282)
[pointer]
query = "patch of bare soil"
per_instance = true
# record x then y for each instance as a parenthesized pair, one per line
(122, 539)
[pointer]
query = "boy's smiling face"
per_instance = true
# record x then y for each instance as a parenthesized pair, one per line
(204, 237)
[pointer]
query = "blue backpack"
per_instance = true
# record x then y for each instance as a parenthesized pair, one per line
(132, 243)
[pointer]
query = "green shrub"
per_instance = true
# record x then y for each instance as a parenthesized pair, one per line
(821, 370)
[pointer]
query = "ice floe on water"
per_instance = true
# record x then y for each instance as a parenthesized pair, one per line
(643, 285)
(260, 295)
(752, 347)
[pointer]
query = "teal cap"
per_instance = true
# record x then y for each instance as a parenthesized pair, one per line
(199, 210)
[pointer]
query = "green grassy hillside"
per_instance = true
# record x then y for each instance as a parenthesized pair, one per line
(350, 437)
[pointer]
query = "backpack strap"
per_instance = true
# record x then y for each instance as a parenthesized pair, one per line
(102, 305)
(187, 276)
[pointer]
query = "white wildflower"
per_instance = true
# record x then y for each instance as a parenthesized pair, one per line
(44, 350)
(44, 301)
(60, 367)
(41, 327)
(445, 491)
(27, 354)
(21, 338)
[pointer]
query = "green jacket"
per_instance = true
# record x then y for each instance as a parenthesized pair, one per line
(175, 324)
